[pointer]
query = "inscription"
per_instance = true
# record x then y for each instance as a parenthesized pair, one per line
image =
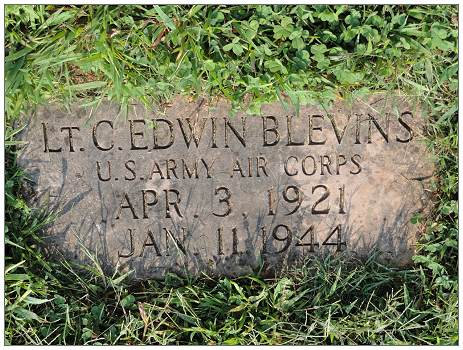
(191, 187)
(312, 130)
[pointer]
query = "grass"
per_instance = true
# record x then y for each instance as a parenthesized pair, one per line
(251, 55)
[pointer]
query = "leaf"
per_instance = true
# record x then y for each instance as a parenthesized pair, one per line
(239, 307)
(187, 318)
(232, 341)
(428, 70)
(87, 86)
(281, 32)
(328, 16)
(349, 34)
(58, 18)
(218, 17)
(282, 290)
(251, 31)
(35, 301)
(12, 267)
(318, 49)
(444, 118)
(237, 49)
(286, 21)
(275, 66)
(128, 301)
(209, 65)
(441, 33)
(17, 277)
(347, 77)
(416, 219)
(266, 49)
(26, 314)
(7, 241)
(59, 300)
(18, 54)
(353, 19)
(87, 333)
(440, 44)
(295, 34)
(166, 19)
(298, 43)
(228, 47)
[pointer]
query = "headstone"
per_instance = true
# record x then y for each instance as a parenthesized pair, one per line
(190, 188)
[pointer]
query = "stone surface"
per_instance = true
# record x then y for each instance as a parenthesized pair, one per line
(142, 192)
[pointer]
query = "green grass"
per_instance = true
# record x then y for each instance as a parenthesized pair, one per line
(251, 55)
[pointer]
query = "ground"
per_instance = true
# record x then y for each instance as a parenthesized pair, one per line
(301, 54)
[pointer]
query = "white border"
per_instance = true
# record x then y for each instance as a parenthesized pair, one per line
(242, 2)
(180, 2)
(460, 185)
(2, 184)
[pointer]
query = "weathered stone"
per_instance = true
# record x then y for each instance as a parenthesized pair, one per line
(141, 192)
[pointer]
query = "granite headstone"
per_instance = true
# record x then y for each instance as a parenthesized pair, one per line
(188, 187)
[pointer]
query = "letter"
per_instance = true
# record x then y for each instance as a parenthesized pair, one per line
(290, 141)
(304, 170)
(274, 130)
(149, 236)
(286, 166)
(378, 127)
(157, 171)
(133, 134)
(407, 127)
(130, 169)
(189, 172)
(261, 166)
(323, 164)
(288, 238)
(357, 129)
(235, 241)
(312, 128)
(170, 168)
(237, 167)
(359, 168)
(45, 141)
(226, 200)
(214, 133)
(69, 129)
(129, 206)
(339, 243)
(219, 241)
(312, 244)
(179, 245)
(146, 203)
(325, 195)
(98, 171)
(271, 202)
(175, 203)
(249, 167)
(264, 240)
(131, 247)
(339, 164)
(335, 128)
(241, 138)
(194, 135)
(95, 140)
(208, 168)
(171, 135)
